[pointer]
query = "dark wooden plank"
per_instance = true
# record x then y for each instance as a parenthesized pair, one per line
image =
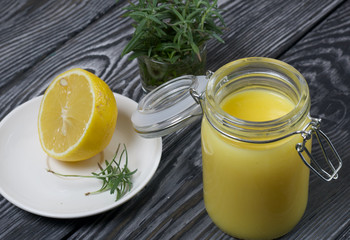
(265, 28)
(345, 235)
(171, 205)
(323, 57)
(32, 29)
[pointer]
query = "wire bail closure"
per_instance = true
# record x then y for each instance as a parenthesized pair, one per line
(317, 169)
(312, 128)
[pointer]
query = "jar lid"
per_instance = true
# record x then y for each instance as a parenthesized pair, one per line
(169, 107)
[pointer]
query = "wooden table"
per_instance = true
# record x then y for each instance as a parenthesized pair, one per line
(39, 39)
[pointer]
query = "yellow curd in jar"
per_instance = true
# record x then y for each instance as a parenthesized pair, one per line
(253, 191)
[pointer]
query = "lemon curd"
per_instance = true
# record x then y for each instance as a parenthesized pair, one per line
(253, 191)
(257, 105)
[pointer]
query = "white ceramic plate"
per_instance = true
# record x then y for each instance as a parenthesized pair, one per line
(25, 182)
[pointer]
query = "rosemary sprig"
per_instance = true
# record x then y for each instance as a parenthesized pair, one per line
(114, 178)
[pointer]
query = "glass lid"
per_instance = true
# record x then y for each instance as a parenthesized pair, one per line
(169, 107)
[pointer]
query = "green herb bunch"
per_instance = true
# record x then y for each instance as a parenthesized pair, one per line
(115, 178)
(169, 30)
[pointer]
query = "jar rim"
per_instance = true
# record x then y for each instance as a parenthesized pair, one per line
(255, 129)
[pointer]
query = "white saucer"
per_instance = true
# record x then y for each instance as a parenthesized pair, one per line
(25, 182)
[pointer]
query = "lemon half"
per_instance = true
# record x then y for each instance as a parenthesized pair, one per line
(77, 116)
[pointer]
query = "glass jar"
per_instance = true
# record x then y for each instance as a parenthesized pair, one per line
(255, 172)
(154, 73)
(254, 190)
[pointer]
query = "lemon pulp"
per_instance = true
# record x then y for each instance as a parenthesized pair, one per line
(77, 116)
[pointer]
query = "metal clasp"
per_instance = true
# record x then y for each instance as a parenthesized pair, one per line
(312, 128)
(333, 166)
(198, 96)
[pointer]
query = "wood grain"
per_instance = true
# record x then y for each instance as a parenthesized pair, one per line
(30, 30)
(306, 34)
(323, 57)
